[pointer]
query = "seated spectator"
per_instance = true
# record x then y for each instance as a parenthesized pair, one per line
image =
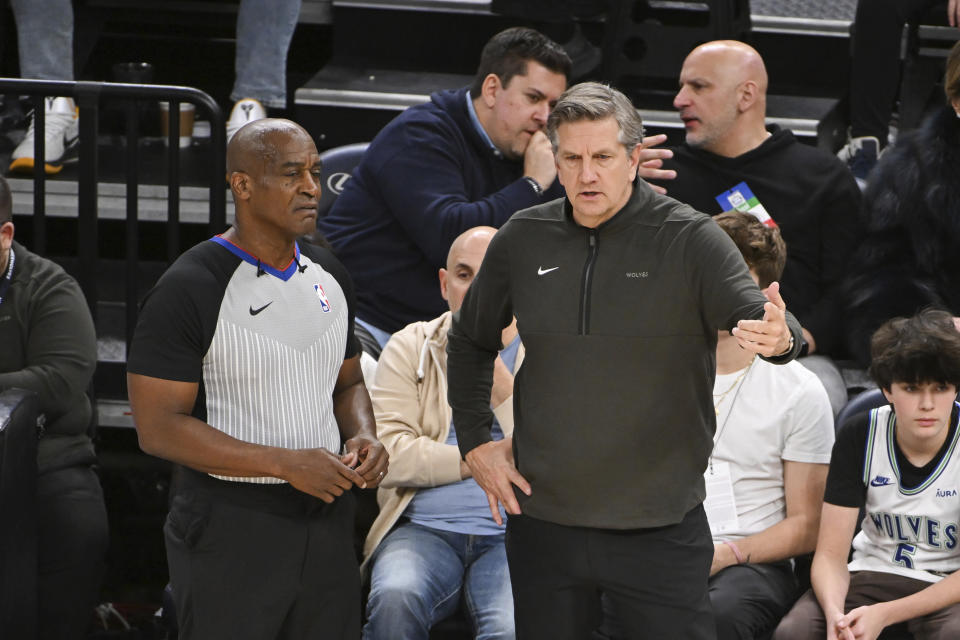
(732, 160)
(45, 46)
(766, 475)
(875, 75)
(48, 346)
(900, 463)
(435, 537)
(908, 258)
(469, 157)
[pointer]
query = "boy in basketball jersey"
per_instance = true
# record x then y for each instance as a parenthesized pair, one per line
(901, 464)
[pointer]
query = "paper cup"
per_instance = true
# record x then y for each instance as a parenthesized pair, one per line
(187, 111)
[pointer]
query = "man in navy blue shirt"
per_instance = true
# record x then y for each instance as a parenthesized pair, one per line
(469, 157)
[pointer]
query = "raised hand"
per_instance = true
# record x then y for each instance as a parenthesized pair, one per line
(769, 336)
(538, 161)
(651, 162)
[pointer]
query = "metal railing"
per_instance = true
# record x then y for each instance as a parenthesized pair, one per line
(89, 97)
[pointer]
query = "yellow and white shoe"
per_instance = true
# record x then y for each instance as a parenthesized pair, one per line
(61, 138)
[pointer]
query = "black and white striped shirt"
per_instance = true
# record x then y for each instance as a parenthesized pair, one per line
(265, 345)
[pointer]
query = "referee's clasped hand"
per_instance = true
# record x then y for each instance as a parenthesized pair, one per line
(319, 473)
(368, 457)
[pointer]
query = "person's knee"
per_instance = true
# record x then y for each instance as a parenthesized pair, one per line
(397, 607)
(948, 629)
(728, 614)
(395, 594)
(73, 531)
(793, 627)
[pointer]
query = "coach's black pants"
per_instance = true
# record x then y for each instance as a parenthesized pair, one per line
(655, 579)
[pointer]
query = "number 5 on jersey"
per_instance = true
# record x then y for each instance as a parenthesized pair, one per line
(904, 555)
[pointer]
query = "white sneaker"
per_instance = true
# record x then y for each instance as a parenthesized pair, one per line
(61, 137)
(243, 112)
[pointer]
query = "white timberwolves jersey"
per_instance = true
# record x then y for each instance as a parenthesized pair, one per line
(911, 532)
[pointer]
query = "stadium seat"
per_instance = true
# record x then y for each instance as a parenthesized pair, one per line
(863, 401)
(338, 165)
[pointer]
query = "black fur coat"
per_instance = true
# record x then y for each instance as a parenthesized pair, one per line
(910, 254)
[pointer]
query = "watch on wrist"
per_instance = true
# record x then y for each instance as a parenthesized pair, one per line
(789, 347)
(537, 189)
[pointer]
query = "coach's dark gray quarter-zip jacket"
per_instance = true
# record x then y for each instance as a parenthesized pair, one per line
(612, 405)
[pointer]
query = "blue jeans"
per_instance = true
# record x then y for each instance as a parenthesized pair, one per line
(264, 31)
(419, 573)
(44, 38)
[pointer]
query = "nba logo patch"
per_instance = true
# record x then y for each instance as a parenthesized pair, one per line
(324, 303)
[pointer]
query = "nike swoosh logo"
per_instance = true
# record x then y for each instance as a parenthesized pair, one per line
(542, 271)
(254, 312)
(879, 483)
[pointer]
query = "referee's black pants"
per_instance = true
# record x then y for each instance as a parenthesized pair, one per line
(261, 562)
(655, 579)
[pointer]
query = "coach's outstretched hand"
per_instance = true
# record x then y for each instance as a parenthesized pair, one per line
(770, 336)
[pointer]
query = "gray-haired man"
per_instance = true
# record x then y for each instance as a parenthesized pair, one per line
(619, 293)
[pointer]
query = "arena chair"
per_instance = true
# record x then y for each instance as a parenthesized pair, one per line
(18, 524)
(338, 165)
(863, 401)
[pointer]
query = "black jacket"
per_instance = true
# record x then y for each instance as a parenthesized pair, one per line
(910, 256)
(612, 405)
(48, 345)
